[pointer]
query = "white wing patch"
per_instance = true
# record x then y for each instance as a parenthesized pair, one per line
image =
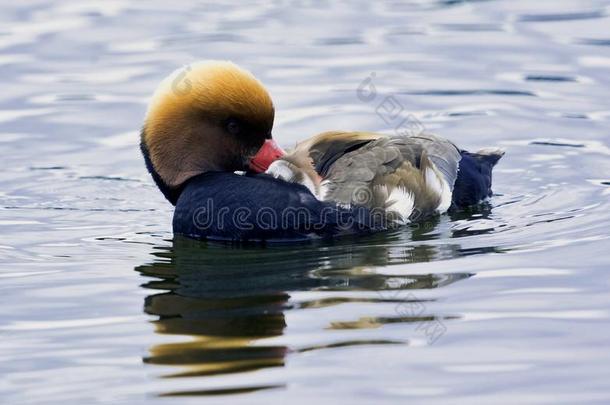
(308, 182)
(446, 198)
(323, 190)
(440, 187)
(280, 169)
(401, 202)
(283, 170)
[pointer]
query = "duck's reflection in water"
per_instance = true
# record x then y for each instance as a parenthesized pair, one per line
(226, 299)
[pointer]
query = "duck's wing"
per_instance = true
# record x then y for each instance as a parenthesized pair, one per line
(326, 148)
(417, 173)
(442, 153)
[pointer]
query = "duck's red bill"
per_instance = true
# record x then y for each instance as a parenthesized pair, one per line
(267, 154)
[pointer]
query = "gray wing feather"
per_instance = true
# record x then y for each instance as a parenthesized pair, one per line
(443, 153)
(358, 170)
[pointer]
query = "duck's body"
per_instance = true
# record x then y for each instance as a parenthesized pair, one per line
(212, 119)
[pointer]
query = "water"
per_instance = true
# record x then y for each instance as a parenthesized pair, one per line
(509, 301)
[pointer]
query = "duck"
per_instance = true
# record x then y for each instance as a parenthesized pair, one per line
(207, 143)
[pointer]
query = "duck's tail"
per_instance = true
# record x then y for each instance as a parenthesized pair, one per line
(473, 182)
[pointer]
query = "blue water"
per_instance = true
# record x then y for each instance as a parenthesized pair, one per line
(508, 302)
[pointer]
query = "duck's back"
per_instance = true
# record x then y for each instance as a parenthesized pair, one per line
(410, 175)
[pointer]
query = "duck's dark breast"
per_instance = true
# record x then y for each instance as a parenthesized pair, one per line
(227, 206)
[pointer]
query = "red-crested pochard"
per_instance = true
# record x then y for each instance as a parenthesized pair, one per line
(212, 119)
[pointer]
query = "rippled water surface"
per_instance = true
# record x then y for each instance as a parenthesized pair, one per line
(508, 301)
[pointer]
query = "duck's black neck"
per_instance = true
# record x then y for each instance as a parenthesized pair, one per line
(171, 194)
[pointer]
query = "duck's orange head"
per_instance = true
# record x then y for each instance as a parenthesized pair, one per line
(207, 116)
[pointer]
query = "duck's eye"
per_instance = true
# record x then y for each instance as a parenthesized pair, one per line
(233, 127)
